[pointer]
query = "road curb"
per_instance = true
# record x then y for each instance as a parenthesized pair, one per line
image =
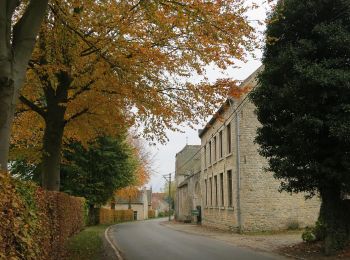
(113, 246)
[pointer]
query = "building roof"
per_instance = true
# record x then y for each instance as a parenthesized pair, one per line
(138, 199)
(228, 101)
(189, 146)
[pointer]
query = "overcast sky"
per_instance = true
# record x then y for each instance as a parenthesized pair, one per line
(164, 155)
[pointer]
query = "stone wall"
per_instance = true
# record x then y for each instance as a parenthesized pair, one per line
(187, 171)
(254, 204)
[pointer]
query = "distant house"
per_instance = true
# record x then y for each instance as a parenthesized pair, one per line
(159, 204)
(236, 192)
(187, 181)
(140, 204)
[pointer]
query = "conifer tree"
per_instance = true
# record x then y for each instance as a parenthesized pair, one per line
(303, 104)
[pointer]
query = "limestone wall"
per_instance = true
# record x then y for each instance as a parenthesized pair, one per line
(187, 170)
(262, 206)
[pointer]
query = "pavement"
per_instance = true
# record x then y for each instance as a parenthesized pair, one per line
(154, 239)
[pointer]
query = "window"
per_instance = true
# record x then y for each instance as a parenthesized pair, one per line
(222, 189)
(210, 152)
(216, 190)
(205, 156)
(220, 145)
(214, 148)
(211, 191)
(229, 188)
(228, 135)
(206, 192)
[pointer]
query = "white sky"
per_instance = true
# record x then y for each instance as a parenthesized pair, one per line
(164, 155)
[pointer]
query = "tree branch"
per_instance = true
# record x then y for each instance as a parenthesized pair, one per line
(76, 115)
(82, 90)
(33, 106)
(26, 30)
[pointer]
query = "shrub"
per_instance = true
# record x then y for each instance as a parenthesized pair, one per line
(110, 216)
(308, 235)
(35, 224)
(293, 225)
(151, 213)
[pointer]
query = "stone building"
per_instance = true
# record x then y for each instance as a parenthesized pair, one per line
(237, 194)
(187, 181)
(140, 204)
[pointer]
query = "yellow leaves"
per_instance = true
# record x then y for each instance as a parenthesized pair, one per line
(237, 92)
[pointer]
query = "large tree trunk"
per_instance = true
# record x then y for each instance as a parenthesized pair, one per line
(51, 158)
(6, 118)
(16, 45)
(335, 214)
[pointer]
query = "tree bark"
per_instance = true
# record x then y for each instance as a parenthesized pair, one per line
(14, 56)
(335, 214)
(6, 118)
(51, 156)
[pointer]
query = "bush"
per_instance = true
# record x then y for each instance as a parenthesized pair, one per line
(293, 225)
(308, 235)
(35, 224)
(110, 216)
(151, 213)
(317, 233)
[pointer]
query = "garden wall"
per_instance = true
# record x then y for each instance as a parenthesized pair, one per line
(35, 224)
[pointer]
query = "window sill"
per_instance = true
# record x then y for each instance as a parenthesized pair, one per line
(230, 208)
(228, 155)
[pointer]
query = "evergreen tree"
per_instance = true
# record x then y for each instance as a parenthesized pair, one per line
(303, 104)
(97, 171)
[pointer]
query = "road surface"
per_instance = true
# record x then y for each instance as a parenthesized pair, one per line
(149, 240)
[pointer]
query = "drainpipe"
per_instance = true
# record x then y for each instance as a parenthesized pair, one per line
(238, 170)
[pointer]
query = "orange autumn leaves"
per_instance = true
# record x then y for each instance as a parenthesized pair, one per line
(127, 63)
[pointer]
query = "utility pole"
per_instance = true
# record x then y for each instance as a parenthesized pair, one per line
(167, 177)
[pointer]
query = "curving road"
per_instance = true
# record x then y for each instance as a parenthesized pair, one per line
(146, 240)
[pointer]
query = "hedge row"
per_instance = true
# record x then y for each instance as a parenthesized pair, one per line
(35, 224)
(151, 213)
(110, 216)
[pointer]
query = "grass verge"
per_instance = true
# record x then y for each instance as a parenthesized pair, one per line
(87, 245)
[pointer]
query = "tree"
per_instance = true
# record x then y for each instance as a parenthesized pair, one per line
(17, 41)
(126, 60)
(96, 172)
(144, 171)
(303, 105)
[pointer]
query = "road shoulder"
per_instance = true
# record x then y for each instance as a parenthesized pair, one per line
(264, 243)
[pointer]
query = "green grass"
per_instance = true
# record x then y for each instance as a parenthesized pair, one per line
(87, 245)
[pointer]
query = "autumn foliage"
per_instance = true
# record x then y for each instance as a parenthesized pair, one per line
(98, 65)
(35, 224)
(109, 216)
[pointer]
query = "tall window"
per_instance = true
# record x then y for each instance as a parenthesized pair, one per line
(211, 191)
(221, 152)
(210, 152)
(229, 188)
(205, 156)
(206, 192)
(228, 135)
(222, 189)
(214, 148)
(216, 190)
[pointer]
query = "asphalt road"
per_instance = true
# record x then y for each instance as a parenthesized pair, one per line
(143, 240)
